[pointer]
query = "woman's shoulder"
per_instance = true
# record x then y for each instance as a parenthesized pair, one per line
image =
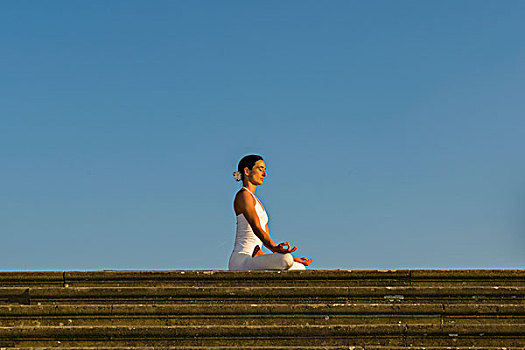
(244, 196)
(242, 201)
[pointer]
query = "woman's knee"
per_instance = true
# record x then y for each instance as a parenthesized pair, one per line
(287, 261)
(297, 266)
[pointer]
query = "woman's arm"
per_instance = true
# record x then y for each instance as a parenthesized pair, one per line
(245, 203)
(305, 261)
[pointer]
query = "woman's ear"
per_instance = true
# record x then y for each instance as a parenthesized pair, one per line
(246, 171)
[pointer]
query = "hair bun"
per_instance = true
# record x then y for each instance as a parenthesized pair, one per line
(237, 176)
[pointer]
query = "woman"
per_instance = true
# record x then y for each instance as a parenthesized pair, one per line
(252, 226)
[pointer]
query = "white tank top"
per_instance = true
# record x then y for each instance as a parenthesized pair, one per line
(245, 239)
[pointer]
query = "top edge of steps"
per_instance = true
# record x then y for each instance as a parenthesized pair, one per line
(64, 276)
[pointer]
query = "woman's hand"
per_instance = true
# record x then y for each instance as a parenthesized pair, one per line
(305, 261)
(284, 248)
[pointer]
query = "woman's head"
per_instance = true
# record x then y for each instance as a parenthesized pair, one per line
(252, 168)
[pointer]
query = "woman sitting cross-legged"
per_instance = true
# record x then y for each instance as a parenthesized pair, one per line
(252, 226)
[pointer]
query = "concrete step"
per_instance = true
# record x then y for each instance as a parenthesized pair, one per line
(479, 294)
(258, 314)
(310, 278)
(285, 347)
(393, 335)
(263, 309)
(254, 320)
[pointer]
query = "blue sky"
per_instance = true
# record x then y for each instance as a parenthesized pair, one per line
(393, 132)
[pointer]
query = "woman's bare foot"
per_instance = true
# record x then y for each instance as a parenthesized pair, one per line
(257, 251)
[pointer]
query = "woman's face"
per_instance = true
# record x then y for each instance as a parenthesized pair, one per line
(257, 174)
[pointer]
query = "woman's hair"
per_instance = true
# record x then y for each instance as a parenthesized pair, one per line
(247, 162)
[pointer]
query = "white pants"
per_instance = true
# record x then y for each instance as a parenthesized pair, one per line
(276, 261)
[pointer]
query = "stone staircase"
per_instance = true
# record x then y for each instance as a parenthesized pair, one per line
(431, 309)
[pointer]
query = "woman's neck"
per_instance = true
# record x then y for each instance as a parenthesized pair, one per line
(251, 187)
